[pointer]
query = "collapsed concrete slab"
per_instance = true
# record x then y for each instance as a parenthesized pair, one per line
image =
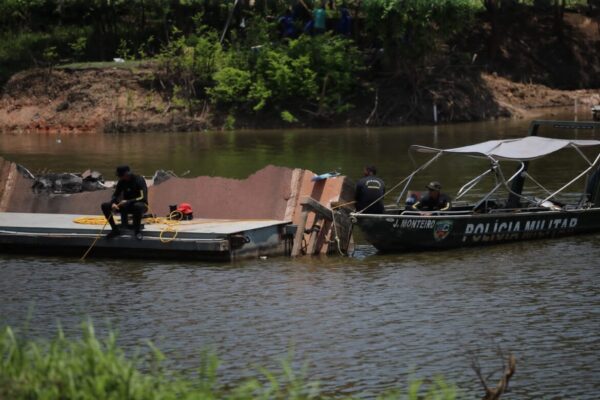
(273, 193)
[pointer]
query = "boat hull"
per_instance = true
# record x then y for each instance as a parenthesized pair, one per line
(395, 232)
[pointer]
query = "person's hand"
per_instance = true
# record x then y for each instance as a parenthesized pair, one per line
(122, 203)
(426, 213)
(115, 207)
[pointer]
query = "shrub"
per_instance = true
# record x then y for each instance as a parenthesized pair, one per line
(189, 64)
(90, 368)
(308, 72)
(231, 85)
(337, 63)
(413, 29)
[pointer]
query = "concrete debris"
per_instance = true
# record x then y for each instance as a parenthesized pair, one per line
(92, 176)
(161, 176)
(92, 186)
(58, 183)
(23, 171)
(67, 183)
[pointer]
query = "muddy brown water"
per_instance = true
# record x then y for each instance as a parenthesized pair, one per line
(362, 324)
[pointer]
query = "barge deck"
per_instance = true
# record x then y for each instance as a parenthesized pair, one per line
(200, 239)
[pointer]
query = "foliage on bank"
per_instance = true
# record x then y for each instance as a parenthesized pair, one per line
(91, 368)
(306, 74)
(241, 58)
(251, 69)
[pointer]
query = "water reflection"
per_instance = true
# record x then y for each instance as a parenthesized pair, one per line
(364, 323)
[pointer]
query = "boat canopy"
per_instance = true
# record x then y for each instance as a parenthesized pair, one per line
(522, 149)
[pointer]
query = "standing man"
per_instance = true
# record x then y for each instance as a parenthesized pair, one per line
(369, 192)
(130, 197)
(319, 18)
(344, 25)
(434, 200)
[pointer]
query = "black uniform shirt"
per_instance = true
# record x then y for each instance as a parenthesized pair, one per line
(133, 190)
(427, 203)
(368, 189)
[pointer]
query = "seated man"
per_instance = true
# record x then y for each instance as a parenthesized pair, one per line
(369, 192)
(433, 200)
(133, 194)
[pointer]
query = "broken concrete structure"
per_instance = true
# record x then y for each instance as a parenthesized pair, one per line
(273, 193)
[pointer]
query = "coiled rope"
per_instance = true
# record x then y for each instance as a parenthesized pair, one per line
(170, 227)
(335, 229)
(170, 224)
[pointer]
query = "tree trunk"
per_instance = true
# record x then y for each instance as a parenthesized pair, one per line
(559, 13)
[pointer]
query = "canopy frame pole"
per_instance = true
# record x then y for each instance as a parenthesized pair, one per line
(500, 177)
(529, 176)
(471, 184)
(574, 179)
(410, 177)
(581, 154)
(518, 173)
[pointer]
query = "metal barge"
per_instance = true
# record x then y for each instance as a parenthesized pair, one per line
(206, 239)
(274, 212)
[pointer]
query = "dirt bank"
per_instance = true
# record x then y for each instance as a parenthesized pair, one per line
(128, 100)
(525, 100)
(85, 100)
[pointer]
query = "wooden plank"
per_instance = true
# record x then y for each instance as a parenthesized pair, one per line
(313, 241)
(324, 237)
(317, 207)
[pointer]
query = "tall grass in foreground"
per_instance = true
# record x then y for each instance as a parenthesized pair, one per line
(90, 368)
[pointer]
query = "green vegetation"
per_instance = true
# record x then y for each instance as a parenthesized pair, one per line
(90, 368)
(245, 58)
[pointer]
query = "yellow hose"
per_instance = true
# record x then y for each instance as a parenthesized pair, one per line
(91, 220)
(170, 224)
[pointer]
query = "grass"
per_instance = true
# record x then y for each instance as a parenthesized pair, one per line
(91, 368)
(129, 64)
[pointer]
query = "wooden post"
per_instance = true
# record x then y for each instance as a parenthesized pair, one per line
(297, 247)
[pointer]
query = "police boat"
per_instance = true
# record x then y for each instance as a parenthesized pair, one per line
(489, 218)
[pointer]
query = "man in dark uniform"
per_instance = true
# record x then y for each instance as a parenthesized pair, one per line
(130, 197)
(369, 192)
(592, 189)
(434, 200)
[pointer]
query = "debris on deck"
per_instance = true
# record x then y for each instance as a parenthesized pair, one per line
(305, 215)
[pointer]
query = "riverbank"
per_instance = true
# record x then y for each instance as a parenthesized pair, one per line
(128, 98)
(514, 62)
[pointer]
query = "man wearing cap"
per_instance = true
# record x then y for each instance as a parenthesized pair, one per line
(434, 200)
(369, 192)
(130, 197)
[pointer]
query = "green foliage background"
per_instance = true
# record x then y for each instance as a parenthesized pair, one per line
(252, 69)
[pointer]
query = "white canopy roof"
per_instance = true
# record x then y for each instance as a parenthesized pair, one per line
(522, 149)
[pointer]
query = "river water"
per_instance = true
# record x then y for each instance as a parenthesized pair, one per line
(361, 324)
